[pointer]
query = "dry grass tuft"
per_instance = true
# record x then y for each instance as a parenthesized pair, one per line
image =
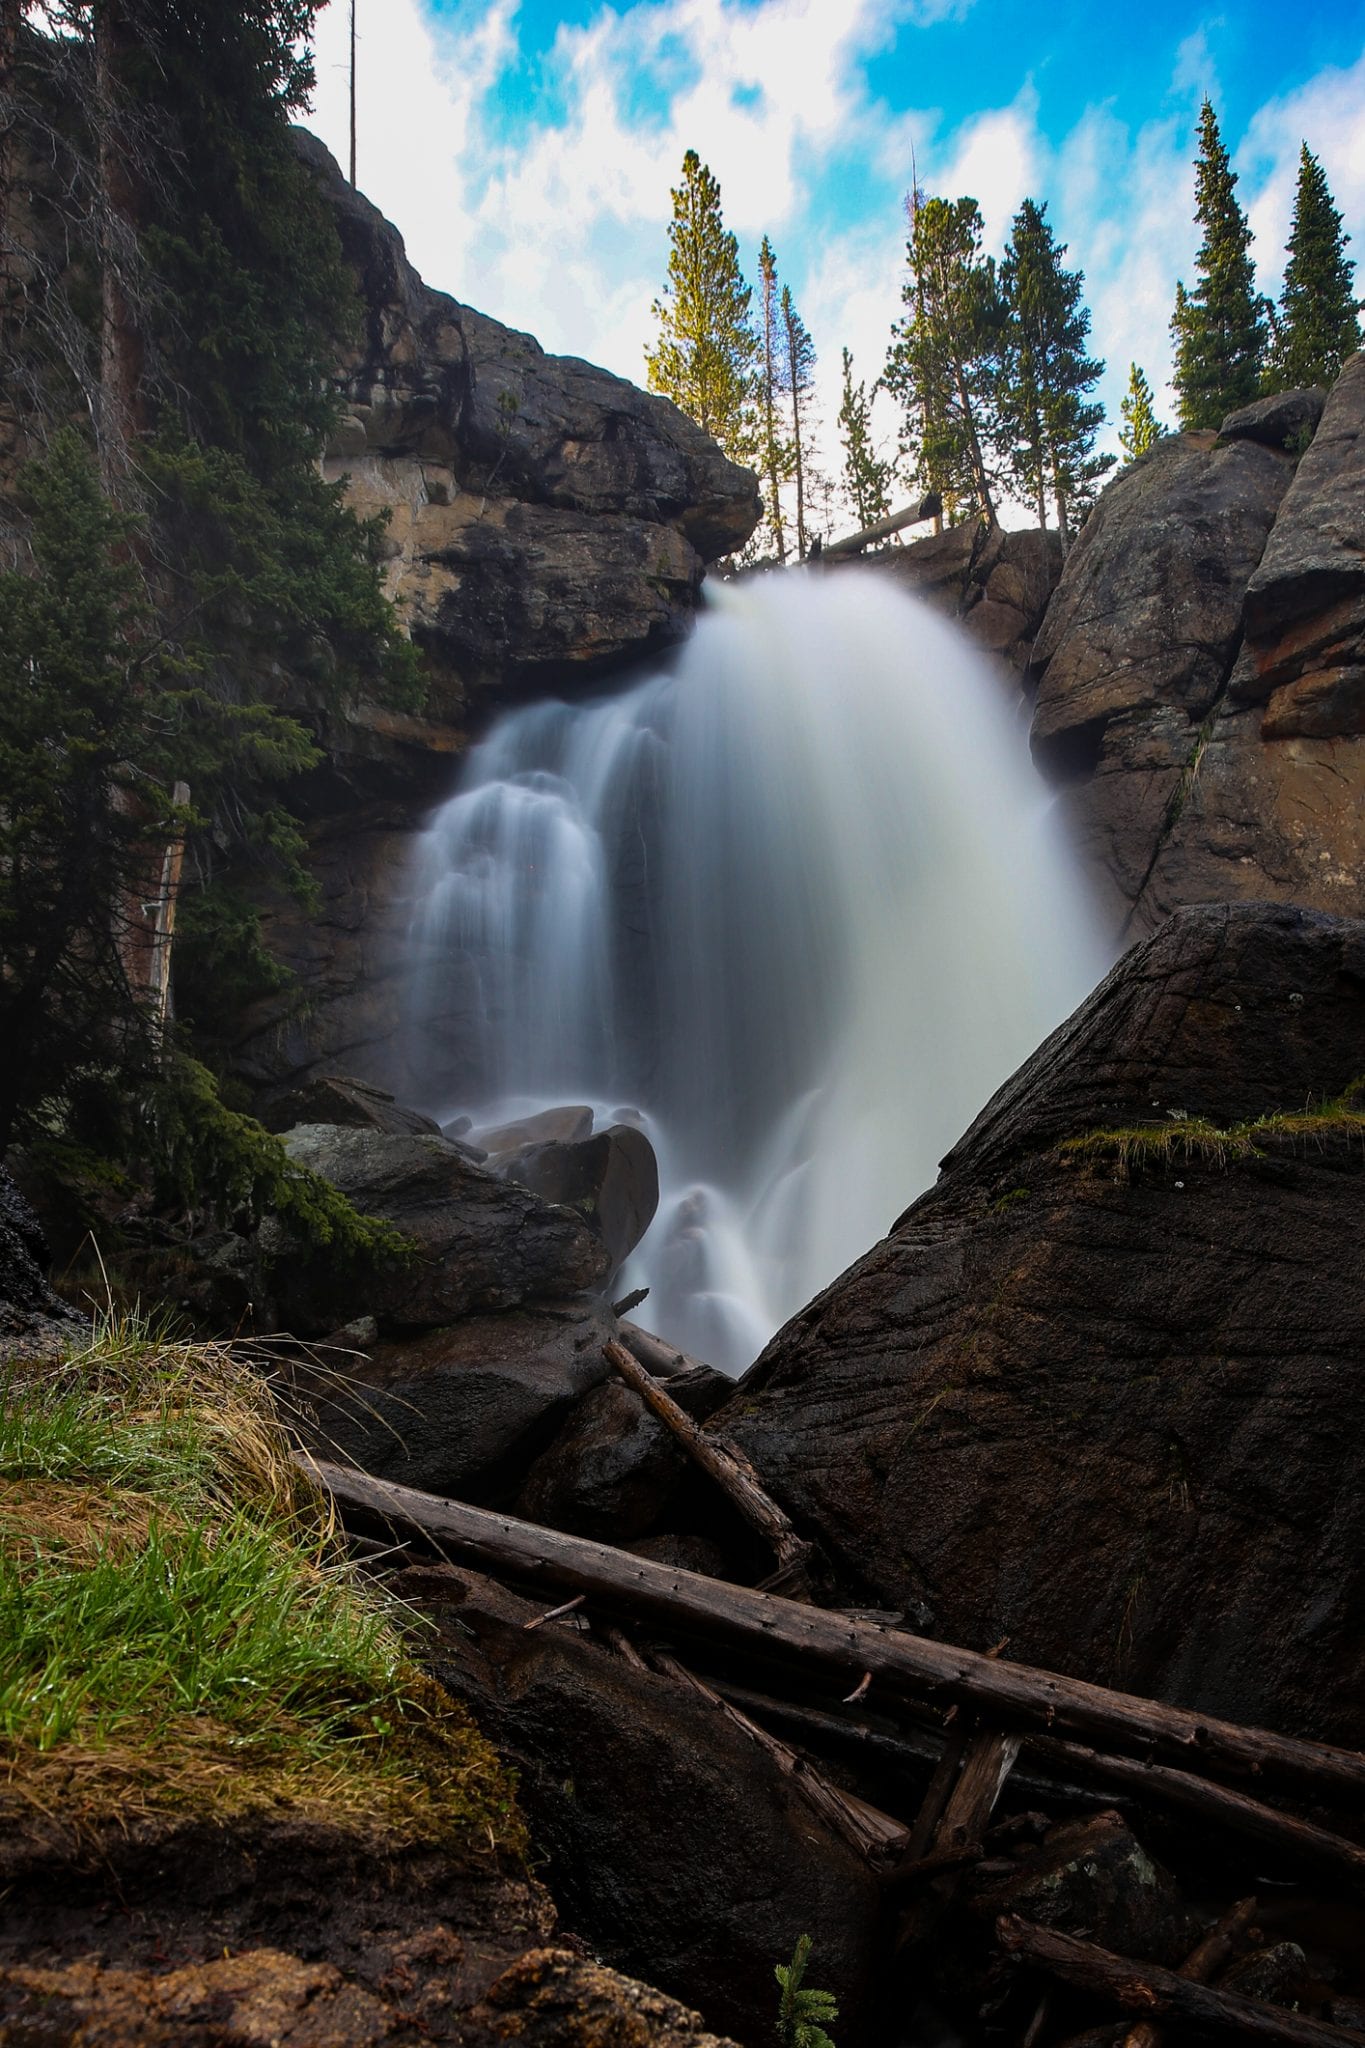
(179, 1631)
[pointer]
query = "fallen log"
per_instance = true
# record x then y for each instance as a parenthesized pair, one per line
(1067, 1768)
(1011, 1694)
(1201, 1965)
(731, 1472)
(1298, 1841)
(869, 1832)
(928, 507)
(1144, 1988)
(664, 1361)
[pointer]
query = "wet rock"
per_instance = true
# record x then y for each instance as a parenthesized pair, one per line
(1277, 1975)
(553, 1998)
(562, 1126)
(611, 1473)
(1150, 1338)
(32, 1318)
(1093, 1878)
(675, 1846)
(482, 1244)
(611, 1179)
(344, 1102)
(464, 1411)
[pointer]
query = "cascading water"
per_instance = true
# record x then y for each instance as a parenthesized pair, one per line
(798, 904)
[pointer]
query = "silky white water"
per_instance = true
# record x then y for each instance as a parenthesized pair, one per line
(798, 904)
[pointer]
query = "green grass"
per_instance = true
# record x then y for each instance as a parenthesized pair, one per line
(178, 1627)
(1196, 1140)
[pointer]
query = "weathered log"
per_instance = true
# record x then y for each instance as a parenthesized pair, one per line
(740, 1616)
(731, 1472)
(1201, 1965)
(1298, 1841)
(988, 1762)
(1144, 1988)
(854, 543)
(869, 1832)
(664, 1361)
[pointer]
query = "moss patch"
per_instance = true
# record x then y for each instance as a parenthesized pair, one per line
(1196, 1140)
(179, 1630)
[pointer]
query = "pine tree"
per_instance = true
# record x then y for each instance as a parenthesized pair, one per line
(222, 599)
(867, 476)
(798, 381)
(942, 363)
(775, 453)
(705, 356)
(1141, 428)
(1318, 324)
(1219, 328)
(1047, 429)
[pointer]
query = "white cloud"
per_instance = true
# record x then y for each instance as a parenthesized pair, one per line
(561, 227)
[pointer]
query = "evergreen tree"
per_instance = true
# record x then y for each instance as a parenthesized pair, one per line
(1047, 429)
(775, 454)
(1141, 428)
(1318, 324)
(798, 379)
(1046, 424)
(199, 599)
(705, 356)
(867, 476)
(1219, 328)
(943, 360)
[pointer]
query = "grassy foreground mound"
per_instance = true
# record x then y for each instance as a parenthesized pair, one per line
(179, 1630)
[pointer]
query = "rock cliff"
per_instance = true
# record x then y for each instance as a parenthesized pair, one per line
(547, 521)
(1200, 672)
(1099, 1390)
(548, 524)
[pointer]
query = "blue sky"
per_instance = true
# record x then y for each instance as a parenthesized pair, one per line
(527, 151)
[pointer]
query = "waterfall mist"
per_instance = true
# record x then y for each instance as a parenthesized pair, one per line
(798, 904)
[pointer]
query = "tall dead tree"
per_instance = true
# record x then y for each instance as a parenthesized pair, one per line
(123, 412)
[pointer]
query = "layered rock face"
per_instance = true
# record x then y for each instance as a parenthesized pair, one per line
(1201, 669)
(547, 520)
(1100, 1390)
(548, 523)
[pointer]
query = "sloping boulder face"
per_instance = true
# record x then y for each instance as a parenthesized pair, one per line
(675, 1844)
(1201, 669)
(1139, 640)
(480, 1244)
(547, 520)
(1101, 1390)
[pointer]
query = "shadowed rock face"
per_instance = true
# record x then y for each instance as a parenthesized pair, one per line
(1109, 1401)
(1201, 669)
(547, 520)
(31, 1316)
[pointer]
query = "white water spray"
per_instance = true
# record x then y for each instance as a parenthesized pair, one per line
(799, 904)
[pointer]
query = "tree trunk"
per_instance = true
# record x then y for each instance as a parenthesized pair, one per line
(1143, 1988)
(901, 1664)
(797, 456)
(122, 359)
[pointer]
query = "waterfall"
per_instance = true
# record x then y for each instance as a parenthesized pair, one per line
(797, 905)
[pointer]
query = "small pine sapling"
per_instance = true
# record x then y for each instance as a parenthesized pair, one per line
(802, 2012)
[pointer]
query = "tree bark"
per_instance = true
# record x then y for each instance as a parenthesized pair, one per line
(1204, 1962)
(733, 1474)
(122, 358)
(1142, 1987)
(1013, 1695)
(1299, 1842)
